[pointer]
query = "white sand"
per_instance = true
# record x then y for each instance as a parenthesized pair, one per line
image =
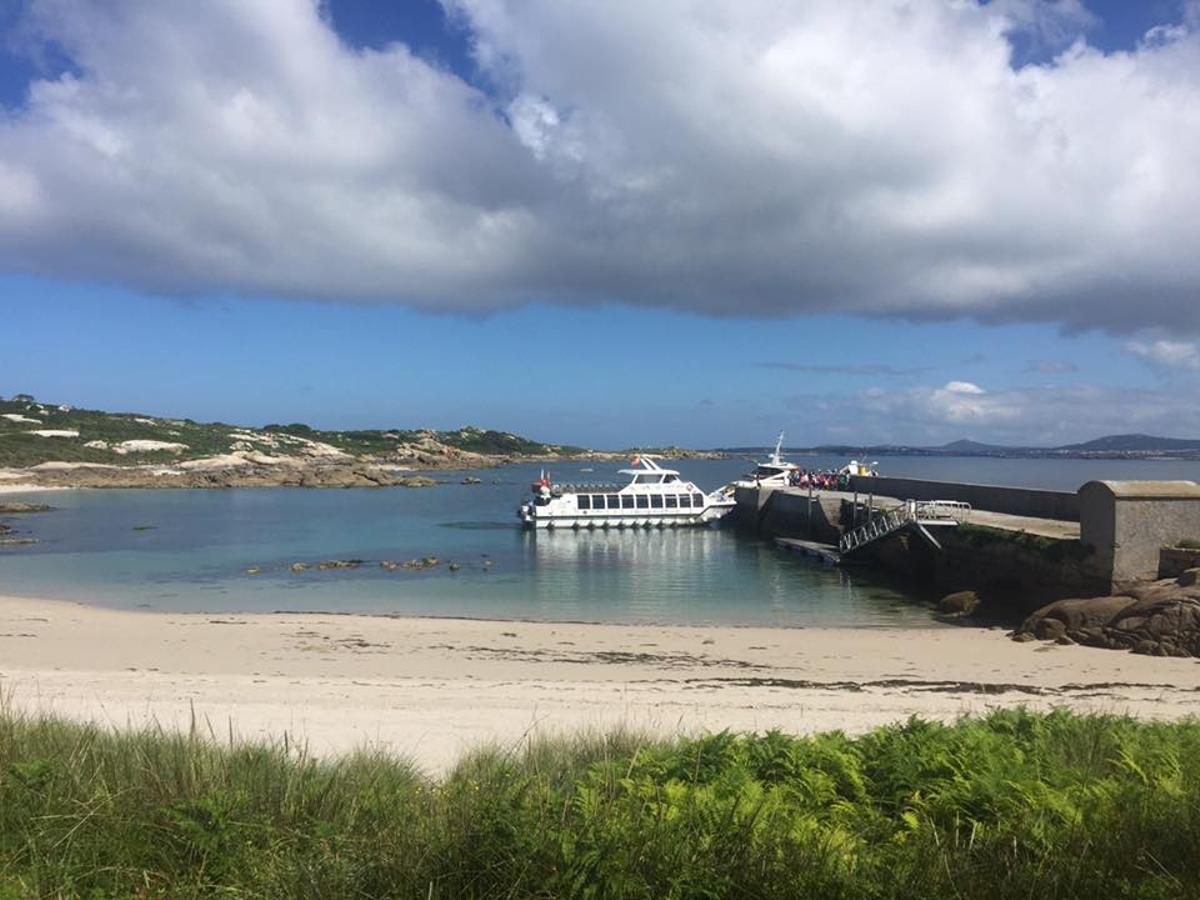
(431, 688)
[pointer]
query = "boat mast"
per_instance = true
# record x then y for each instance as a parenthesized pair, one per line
(777, 456)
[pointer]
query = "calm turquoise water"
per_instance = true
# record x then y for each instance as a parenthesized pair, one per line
(193, 555)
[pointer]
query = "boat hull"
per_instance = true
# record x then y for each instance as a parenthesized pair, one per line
(690, 519)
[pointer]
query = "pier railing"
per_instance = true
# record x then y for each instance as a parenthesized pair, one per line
(910, 512)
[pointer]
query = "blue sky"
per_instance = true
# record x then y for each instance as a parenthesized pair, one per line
(651, 325)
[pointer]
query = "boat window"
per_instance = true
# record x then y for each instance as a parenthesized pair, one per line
(597, 501)
(697, 499)
(672, 501)
(643, 501)
(647, 479)
(585, 501)
(627, 501)
(671, 478)
(614, 502)
(685, 500)
(656, 501)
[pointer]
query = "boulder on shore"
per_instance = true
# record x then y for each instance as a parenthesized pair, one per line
(959, 605)
(1160, 618)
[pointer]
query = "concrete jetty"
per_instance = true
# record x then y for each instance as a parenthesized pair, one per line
(1028, 545)
(789, 508)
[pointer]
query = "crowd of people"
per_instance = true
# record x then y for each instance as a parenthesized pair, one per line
(819, 479)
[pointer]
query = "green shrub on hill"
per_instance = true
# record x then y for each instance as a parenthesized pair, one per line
(19, 447)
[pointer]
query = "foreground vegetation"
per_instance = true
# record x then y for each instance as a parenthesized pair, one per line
(1014, 805)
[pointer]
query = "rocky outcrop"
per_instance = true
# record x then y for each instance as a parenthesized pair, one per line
(1158, 618)
(7, 509)
(959, 605)
(235, 470)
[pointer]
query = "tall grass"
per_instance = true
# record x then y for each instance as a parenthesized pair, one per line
(1013, 805)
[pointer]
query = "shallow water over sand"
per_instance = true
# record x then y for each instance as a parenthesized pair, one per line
(188, 550)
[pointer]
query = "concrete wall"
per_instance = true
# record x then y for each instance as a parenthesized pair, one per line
(1012, 500)
(789, 513)
(1097, 526)
(1129, 522)
(1018, 575)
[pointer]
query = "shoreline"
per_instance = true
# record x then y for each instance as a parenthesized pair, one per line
(249, 469)
(30, 489)
(433, 688)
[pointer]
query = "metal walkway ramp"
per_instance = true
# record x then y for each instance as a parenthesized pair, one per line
(911, 513)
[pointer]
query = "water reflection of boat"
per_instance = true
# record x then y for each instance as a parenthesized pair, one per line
(653, 497)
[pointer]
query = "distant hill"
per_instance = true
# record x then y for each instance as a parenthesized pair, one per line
(967, 447)
(1116, 446)
(1133, 443)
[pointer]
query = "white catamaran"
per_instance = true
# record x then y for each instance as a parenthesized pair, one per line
(654, 497)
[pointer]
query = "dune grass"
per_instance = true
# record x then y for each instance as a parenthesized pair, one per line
(1016, 804)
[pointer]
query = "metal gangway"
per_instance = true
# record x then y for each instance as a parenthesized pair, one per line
(910, 513)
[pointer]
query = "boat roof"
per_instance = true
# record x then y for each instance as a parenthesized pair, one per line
(647, 464)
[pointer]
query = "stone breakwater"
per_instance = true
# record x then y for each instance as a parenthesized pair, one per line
(1157, 618)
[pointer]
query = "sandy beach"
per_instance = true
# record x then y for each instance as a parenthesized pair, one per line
(432, 688)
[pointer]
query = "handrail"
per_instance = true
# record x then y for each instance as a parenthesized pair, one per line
(889, 521)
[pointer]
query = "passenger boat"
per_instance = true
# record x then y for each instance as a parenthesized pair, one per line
(654, 498)
(774, 472)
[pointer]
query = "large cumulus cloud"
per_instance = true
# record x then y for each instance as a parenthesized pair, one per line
(757, 157)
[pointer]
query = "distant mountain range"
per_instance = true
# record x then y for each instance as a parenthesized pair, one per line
(1113, 446)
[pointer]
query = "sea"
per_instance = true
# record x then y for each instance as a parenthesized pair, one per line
(233, 551)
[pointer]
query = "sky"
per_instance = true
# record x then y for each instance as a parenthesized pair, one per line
(606, 222)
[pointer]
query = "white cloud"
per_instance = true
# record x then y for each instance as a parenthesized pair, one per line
(1167, 354)
(962, 387)
(1042, 416)
(749, 158)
